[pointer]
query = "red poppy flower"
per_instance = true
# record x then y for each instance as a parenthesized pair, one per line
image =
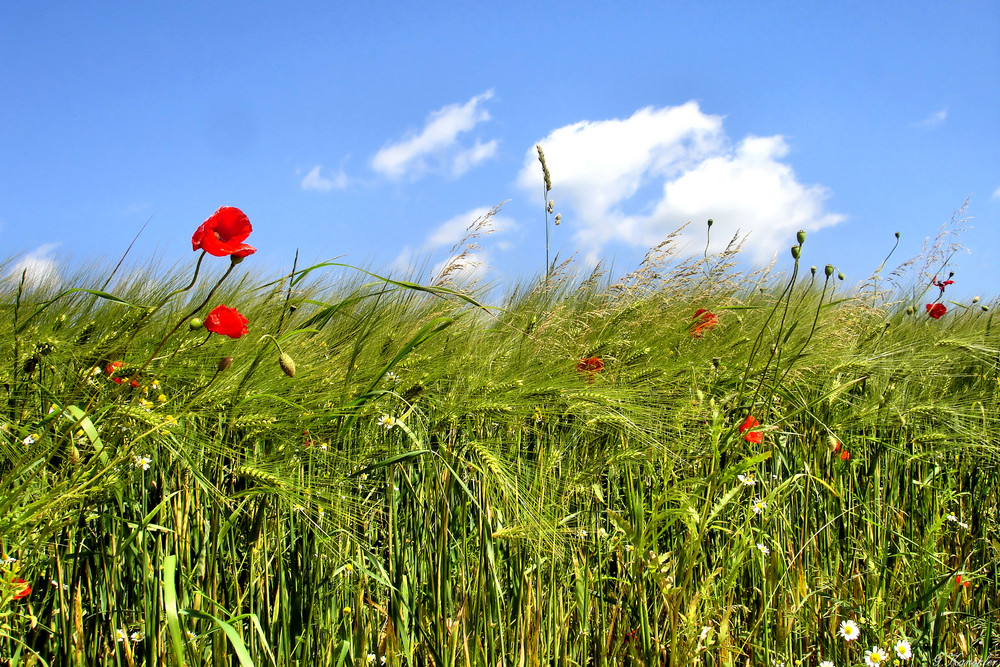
(226, 321)
(836, 447)
(590, 366)
(958, 580)
(845, 455)
(936, 310)
(748, 435)
(223, 234)
(110, 370)
(941, 284)
(704, 321)
(24, 592)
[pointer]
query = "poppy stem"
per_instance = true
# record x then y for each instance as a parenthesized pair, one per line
(275, 341)
(182, 321)
(194, 279)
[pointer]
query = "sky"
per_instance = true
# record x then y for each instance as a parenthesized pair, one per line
(377, 132)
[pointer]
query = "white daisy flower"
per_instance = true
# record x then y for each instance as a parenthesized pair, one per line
(386, 421)
(876, 656)
(903, 650)
(763, 548)
(747, 479)
(759, 507)
(849, 630)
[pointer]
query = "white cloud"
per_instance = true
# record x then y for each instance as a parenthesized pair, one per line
(466, 160)
(637, 180)
(315, 181)
(451, 231)
(932, 120)
(463, 270)
(996, 194)
(38, 266)
(436, 146)
(448, 235)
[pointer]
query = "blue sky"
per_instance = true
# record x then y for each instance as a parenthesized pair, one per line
(377, 131)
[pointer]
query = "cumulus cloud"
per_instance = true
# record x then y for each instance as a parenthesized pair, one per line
(316, 181)
(932, 120)
(436, 146)
(636, 180)
(38, 266)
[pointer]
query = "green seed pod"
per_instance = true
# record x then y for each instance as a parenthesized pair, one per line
(801, 236)
(194, 324)
(710, 222)
(828, 270)
(236, 259)
(796, 252)
(224, 363)
(812, 270)
(840, 275)
(897, 235)
(287, 364)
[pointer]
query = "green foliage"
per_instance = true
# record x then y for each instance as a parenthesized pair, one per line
(439, 483)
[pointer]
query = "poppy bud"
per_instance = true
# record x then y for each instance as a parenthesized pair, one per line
(975, 299)
(800, 236)
(828, 270)
(840, 275)
(711, 222)
(194, 324)
(897, 235)
(796, 251)
(287, 364)
(224, 363)
(812, 270)
(985, 308)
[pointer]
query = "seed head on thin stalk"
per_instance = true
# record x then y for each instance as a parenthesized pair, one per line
(549, 205)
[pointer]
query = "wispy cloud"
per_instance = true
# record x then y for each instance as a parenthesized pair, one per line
(635, 180)
(996, 194)
(319, 183)
(38, 266)
(932, 120)
(450, 234)
(466, 160)
(436, 147)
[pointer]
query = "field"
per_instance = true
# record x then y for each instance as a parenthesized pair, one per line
(692, 464)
